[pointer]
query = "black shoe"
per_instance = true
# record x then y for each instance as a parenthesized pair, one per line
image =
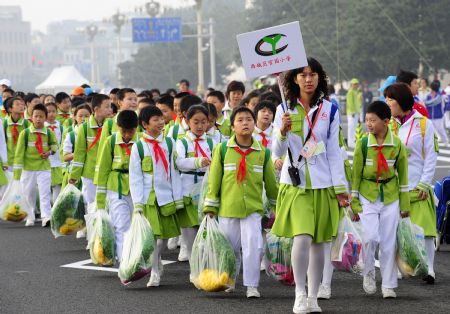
(429, 279)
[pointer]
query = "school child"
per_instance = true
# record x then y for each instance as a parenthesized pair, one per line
(32, 165)
(3, 159)
(55, 161)
(238, 170)
(213, 132)
(144, 102)
(165, 104)
(63, 104)
(420, 139)
(251, 100)
(178, 131)
(194, 152)
(113, 180)
(14, 123)
(31, 100)
(5, 94)
(264, 131)
(176, 106)
(217, 98)
(234, 94)
(380, 192)
(155, 184)
(86, 147)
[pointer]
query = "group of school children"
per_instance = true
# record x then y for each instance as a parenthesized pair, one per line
(147, 157)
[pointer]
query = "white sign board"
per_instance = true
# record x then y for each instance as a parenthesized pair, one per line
(272, 50)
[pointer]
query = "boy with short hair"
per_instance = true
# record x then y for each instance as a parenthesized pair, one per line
(32, 166)
(217, 98)
(165, 104)
(178, 131)
(144, 102)
(31, 100)
(63, 104)
(239, 169)
(176, 106)
(234, 94)
(55, 161)
(113, 179)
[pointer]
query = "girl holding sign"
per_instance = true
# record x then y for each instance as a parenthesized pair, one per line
(308, 205)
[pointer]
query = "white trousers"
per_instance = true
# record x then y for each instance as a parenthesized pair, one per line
(447, 119)
(352, 120)
(55, 192)
(380, 223)
(245, 233)
(88, 191)
(440, 130)
(43, 181)
(120, 211)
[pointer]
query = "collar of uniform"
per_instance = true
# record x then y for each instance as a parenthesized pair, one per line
(212, 131)
(388, 141)
(232, 143)
(220, 120)
(10, 121)
(56, 123)
(311, 110)
(184, 125)
(267, 131)
(34, 130)
(119, 139)
(62, 113)
(93, 124)
(159, 139)
(191, 136)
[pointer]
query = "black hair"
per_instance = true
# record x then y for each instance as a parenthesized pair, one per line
(235, 86)
(435, 85)
(211, 109)
(122, 92)
(20, 94)
(30, 96)
(252, 94)
(171, 91)
(59, 97)
(9, 90)
(80, 107)
(144, 95)
(40, 107)
(293, 89)
(85, 86)
(8, 103)
(147, 113)
(155, 90)
(239, 110)
(127, 119)
(90, 96)
(270, 96)
(184, 81)
(114, 91)
(167, 100)
(188, 101)
(51, 104)
(147, 100)
(402, 94)
(77, 101)
(115, 108)
(425, 79)
(210, 89)
(380, 108)
(181, 95)
(265, 104)
(49, 95)
(196, 109)
(406, 77)
(97, 100)
(218, 94)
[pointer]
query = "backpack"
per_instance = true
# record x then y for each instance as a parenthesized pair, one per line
(176, 128)
(224, 148)
(85, 128)
(140, 147)
(5, 127)
(27, 134)
(208, 140)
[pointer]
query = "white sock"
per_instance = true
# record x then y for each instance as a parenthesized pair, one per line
(159, 247)
(315, 269)
(429, 246)
(327, 267)
(188, 237)
(300, 261)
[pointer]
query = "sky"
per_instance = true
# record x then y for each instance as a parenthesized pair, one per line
(42, 12)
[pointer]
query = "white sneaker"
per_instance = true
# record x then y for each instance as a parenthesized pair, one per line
(231, 288)
(324, 292)
(263, 264)
(81, 233)
(172, 243)
(252, 292)
(369, 283)
(388, 293)
(183, 256)
(313, 306)
(45, 222)
(161, 268)
(154, 280)
(29, 223)
(300, 304)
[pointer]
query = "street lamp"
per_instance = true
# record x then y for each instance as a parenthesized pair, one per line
(92, 31)
(118, 20)
(152, 8)
(201, 77)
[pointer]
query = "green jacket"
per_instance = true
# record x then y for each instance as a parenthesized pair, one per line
(27, 156)
(8, 123)
(224, 125)
(354, 101)
(392, 185)
(84, 159)
(113, 168)
(227, 198)
(64, 119)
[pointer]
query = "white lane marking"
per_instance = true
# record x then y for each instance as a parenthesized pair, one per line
(85, 265)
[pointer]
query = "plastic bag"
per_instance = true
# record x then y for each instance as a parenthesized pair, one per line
(14, 206)
(278, 255)
(269, 217)
(411, 253)
(68, 212)
(203, 191)
(347, 248)
(138, 246)
(101, 241)
(213, 263)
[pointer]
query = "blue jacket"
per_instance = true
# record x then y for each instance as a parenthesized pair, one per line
(434, 106)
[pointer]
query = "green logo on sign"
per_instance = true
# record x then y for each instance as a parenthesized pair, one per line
(272, 40)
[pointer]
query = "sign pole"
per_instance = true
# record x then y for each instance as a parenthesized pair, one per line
(283, 99)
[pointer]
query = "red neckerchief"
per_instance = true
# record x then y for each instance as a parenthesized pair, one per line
(264, 139)
(39, 146)
(159, 153)
(382, 163)
(242, 171)
(97, 137)
(64, 115)
(15, 133)
(52, 127)
(126, 146)
(198, 148)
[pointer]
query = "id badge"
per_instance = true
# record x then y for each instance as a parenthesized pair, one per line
(309, 149)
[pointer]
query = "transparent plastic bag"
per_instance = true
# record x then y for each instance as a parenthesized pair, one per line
(14, 206)
(347, 248)
(278, 255)
(138, 246)
(411, 253)
(202, 196)
(213, 263)
(68, 212)
(269, 217)
(101, 241)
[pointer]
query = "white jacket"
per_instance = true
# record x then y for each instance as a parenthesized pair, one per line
(167, 186)
(422, 152)
(3, 148)
(55, 160)
(326, 169)
(269, 133)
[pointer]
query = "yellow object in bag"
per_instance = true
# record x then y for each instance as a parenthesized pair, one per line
(210, 280)
(14, 213)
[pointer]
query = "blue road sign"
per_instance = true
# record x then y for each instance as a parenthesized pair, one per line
(165, 29)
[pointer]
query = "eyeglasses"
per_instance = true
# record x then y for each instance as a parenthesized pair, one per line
(304, 76)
